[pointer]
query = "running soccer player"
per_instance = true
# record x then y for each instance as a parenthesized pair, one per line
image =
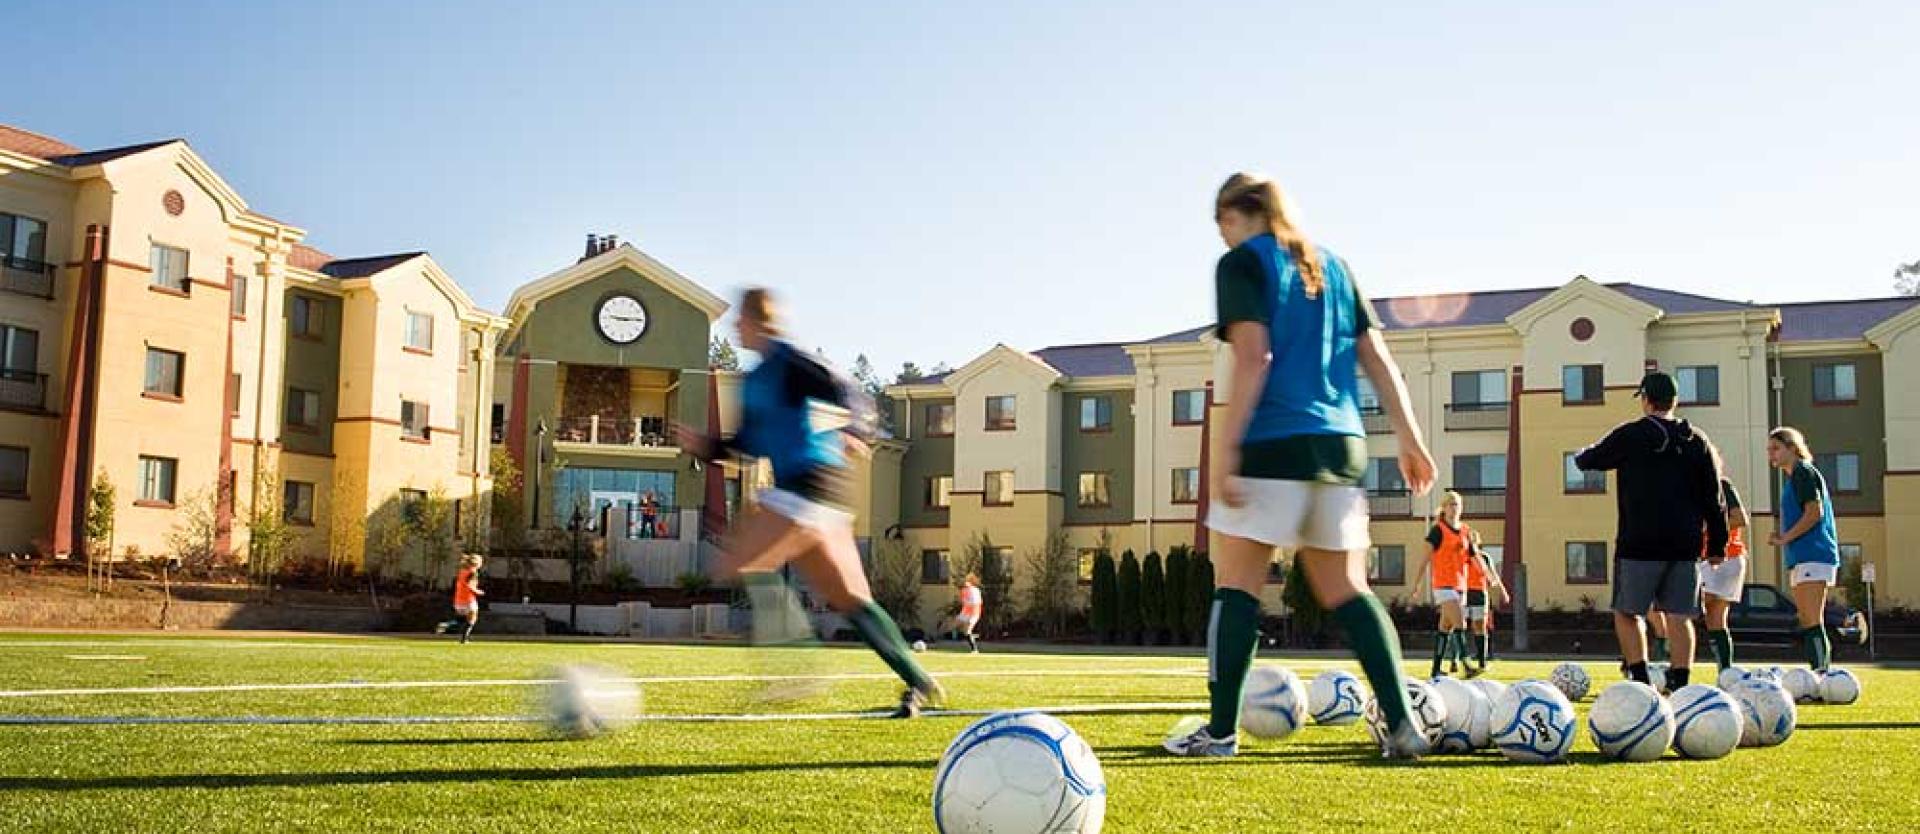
(1446, 573)
(1480, 574)
(970, 609)
(795, 414)
(1294, 450)
(466, 599)
(1807, 533)
(1721, 584)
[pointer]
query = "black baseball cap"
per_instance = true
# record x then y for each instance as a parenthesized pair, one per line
(1657, 387)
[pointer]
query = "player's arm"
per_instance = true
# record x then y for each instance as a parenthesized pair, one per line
(1606, 455)
(1806, 487)
(1416, 462)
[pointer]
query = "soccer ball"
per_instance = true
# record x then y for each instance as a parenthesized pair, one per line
(1772, 673)
(1839, 687)
(1767, 712)
(1491, 688)
(1572, 680)
(1731, 677)
(1657, 676)
(1428, 711)
(1533, 722)
(585, 702)
(1631, 722)
(1706, 722)
(1802, 684)
(1468, 715)
(1336, 698)
(919, 645)
(1019, 772)
(1273, 704)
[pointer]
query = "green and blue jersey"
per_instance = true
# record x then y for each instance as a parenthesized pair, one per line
(1820, 545)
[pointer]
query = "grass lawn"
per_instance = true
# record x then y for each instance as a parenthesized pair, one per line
(1846, 769)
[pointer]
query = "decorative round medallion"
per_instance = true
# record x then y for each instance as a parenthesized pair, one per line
(1582, 329)
(174, 203)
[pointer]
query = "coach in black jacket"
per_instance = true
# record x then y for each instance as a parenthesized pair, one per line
(1669, 492)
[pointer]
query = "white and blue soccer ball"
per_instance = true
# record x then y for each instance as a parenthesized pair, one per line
(1631, 722)
(1534, 722)
(1767, 712)
(1493, 689)
(1468, 716)
(1706, 722)
(1839, 686)
(1428, 711)
(584, 702)
(1019, 772)
(1572, 680)
(1730, 677)
(1657, 676)
(919, 645)
(1273, 704)
(1336, 698)
(1772, 673)
(1802, 684)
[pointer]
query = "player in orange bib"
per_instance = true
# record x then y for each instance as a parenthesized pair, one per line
(1721, 584)
(1446, 570)
(466, 598)
(1480, 574)
(971, 604)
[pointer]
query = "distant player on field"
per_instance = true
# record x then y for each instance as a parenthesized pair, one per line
(466, 598)
(1480, 575)
(797, 415)
(1288, 473)
(1808, 534)
(1722, 584)
(971, 606)
(1446, 572)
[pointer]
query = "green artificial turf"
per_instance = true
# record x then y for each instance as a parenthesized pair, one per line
(1847, 768)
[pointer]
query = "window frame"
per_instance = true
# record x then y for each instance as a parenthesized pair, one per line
(1833, 384)
(1593, 382)
(930, 490)
(25, 455)
(1829, 465)
(1103, 482)
(9, 354)
(11, 222)
(1178, 481)
(927, 416)
(311, 324)
(1586, 485)
(1679, 376)
(164, 466)
(1102, 414)
(291, 507)
(407, 428)
(1009, 412)
(1375, 560)
(944, 559)
(407, 343)
(1480, 402)
(296, 394)
(987, 491)
(1604, 565)
(1199, 396)
(1377, 470)
(1480, 472)
(159, 261)
(1083, 559)
(178, 394)
(237, 292)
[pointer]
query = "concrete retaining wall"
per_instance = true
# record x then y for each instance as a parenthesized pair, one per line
(126, 613)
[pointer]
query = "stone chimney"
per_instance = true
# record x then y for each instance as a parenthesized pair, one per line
(593, 246)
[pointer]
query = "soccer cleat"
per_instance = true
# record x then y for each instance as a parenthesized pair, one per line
(911, 703)
(1201, 743)
(1405, 744)
(1475, 671)
(440, 628)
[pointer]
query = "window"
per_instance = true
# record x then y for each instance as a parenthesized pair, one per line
(420, 332)
(1762, 597)
(19, 350)
(1186, 485)
(940, 420)
(1096, 489)
(1842, 471)
(1834, 383)
(169, 264)
(306, 318)
(1367, 397)
(1000, 413)
(999, 489)
(934, 568)
(1189, 407)
(1698, 384)
(1850, 554)
(413, 420)
(303, 409)
(23, 241)
(1387, 564)
(1586, 563)
(1383, 476)
(1479, 390)
(1580, 482)
(1479, 472)
(1001, 557)
(13, 472)
(156, 480)
(1085, 564)
(498, 423)
(939, 492)
(233, 395)
(163, 373)
(1096, 413)
(296, 502)
(1582, 385)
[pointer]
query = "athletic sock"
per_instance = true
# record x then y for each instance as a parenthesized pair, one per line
(468, 631)
(1233, 636)
(1722, 642)
(1659, 650)
(1460, 644)
(1638, 672)
(973, 642)
(883, 636)
(1480, 642)
(1819, 649)
(1677, 677)
(1370, 631)
(1442, 641)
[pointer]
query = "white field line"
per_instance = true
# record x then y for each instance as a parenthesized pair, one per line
(386, 720)
(106, 657)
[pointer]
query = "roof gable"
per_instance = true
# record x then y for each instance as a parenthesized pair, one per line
(1002, 356)
(531, 294)
(1582, 288)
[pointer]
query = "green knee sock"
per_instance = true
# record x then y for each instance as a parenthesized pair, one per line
(1480, 649)
(1722, 642)
(1370, 631)
(1233, 635)
(883, 636)
(1442, 642)
(777, 615)
(1460, 645)
(1659, 649)
(1819, 650)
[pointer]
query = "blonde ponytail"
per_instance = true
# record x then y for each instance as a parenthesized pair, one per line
(1257, 195)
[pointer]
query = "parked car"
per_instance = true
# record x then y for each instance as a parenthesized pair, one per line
(1766, 615)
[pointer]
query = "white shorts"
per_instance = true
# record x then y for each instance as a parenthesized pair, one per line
(464, 610)
(1295, 514)
(1442, 596)
(804, 512)
(962, 622)
(1814, 572)
(1726, 580)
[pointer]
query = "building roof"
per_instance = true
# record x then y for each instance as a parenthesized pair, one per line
(76, 160)
(1107, 359)
(32, 144)
(1819, 320)
(348, 268)
(306, 257)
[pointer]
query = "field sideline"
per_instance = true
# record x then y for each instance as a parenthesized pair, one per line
(1842, 770)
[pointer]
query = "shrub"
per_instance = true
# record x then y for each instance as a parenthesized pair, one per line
(1104, 597)
(1153, 600)
(1199, 594)
(1128, 599)
(1180, 621)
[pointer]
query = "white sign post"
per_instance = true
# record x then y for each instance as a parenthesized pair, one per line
(1873, 631)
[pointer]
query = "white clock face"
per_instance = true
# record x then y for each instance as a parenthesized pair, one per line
(621, 319)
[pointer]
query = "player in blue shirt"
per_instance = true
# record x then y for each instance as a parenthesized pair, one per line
(1807, 532)
(1300, 332)
(797, 416)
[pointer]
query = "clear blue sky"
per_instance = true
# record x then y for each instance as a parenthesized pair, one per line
(924, 180)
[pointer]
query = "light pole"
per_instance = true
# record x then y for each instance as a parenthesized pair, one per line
(573, 573)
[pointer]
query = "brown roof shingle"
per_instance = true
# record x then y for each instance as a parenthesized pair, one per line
(33, 144)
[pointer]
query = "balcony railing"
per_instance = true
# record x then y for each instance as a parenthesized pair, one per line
(1390, 503)
(26, 276)
(1483, 500)
(23, 390)
(640, 432)
(1476, 416)
(1375, 421)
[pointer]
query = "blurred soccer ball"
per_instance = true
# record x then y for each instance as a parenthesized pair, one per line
(1802, 684)
(1729, 677)
(1273, 704)
(584, 702)
(1468, 715)
(1336, 698)
(1839, 687)
(919, 645)
(1428, 711)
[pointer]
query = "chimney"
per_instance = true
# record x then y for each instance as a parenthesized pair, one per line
(593, 244)
(613, 242)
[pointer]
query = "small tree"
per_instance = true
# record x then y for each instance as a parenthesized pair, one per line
(721, 355)
(194, 536)
(1054, 569)
(1199, 592)
(387, 544)
(269, 536)
(896, 582)
(996, 589)
(430, 520)
(1906, 278)
(1853, 581)
(99, 523)
(1128, 599)
(1153, 600)
(346, 537)
(1102, 616)
(1179, 619)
